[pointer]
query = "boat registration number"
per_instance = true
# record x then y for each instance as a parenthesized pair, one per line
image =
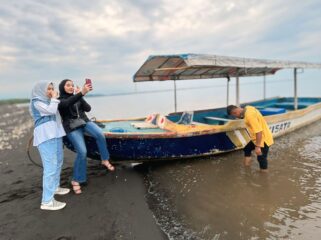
(280, 127)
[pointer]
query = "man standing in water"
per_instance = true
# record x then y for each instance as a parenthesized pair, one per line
(261, 136)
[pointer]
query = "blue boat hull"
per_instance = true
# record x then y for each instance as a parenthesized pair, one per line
(135, 149)
(138, 145)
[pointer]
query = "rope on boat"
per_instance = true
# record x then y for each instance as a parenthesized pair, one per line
(28, 152)
(29, 144)
(101, 125)
(29, 155)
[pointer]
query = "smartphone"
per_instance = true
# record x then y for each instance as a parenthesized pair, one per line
(88, 81)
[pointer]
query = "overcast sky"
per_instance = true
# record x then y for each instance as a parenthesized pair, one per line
(109, 40)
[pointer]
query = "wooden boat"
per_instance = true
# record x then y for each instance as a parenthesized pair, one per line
(203, 132)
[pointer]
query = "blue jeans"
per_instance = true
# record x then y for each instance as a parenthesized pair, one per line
(77, 139)
(51, 153)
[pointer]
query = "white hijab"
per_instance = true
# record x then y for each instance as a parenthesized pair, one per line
(39, 91)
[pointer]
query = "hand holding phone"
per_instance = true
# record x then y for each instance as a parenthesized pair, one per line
(88, 81)
(89, 84)
(87, 87)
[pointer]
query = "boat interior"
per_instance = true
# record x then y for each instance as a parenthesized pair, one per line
(266, 107)
(216, 116)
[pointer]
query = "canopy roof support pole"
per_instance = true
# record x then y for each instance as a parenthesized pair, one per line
(237, 91)
(264, 87)
(175, 97)
(228, 91)
(295, 89)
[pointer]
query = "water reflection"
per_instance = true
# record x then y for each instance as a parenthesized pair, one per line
(217, 198)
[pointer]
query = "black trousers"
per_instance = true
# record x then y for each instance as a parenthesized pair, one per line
(262, 159)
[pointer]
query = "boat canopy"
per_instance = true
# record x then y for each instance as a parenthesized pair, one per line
(203, 66)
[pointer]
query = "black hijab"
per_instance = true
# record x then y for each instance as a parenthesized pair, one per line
(69, 103)
(63, 93)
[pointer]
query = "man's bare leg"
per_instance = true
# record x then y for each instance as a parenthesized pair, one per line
(247, 161)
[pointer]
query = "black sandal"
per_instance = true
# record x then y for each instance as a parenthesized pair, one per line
(76, 187)
(108, 165)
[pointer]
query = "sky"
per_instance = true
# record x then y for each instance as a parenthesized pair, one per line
(108, 41)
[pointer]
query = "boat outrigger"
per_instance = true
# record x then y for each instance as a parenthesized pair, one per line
(202, 132)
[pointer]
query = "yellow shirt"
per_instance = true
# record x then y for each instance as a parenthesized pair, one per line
(255, 123)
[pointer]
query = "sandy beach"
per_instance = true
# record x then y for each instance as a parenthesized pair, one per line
(209, 198)
(112, 206)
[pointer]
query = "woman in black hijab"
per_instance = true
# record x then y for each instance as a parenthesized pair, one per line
(73, 106)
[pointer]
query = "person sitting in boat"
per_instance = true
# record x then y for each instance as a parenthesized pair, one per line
(72, 108)
(47, 136)
(261, 136)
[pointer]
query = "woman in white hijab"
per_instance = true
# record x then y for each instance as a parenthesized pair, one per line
(48, 133)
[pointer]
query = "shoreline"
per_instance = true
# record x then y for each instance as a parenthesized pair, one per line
(112, 206)
(12, 101)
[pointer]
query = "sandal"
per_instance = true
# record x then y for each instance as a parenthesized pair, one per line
(76, 187)
(108, 165)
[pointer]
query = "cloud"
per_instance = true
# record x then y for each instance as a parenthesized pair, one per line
(109, 40)
(113, 20)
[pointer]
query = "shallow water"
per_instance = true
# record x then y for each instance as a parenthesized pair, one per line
(217, 198)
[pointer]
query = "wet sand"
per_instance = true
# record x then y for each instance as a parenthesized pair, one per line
(112, 206)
